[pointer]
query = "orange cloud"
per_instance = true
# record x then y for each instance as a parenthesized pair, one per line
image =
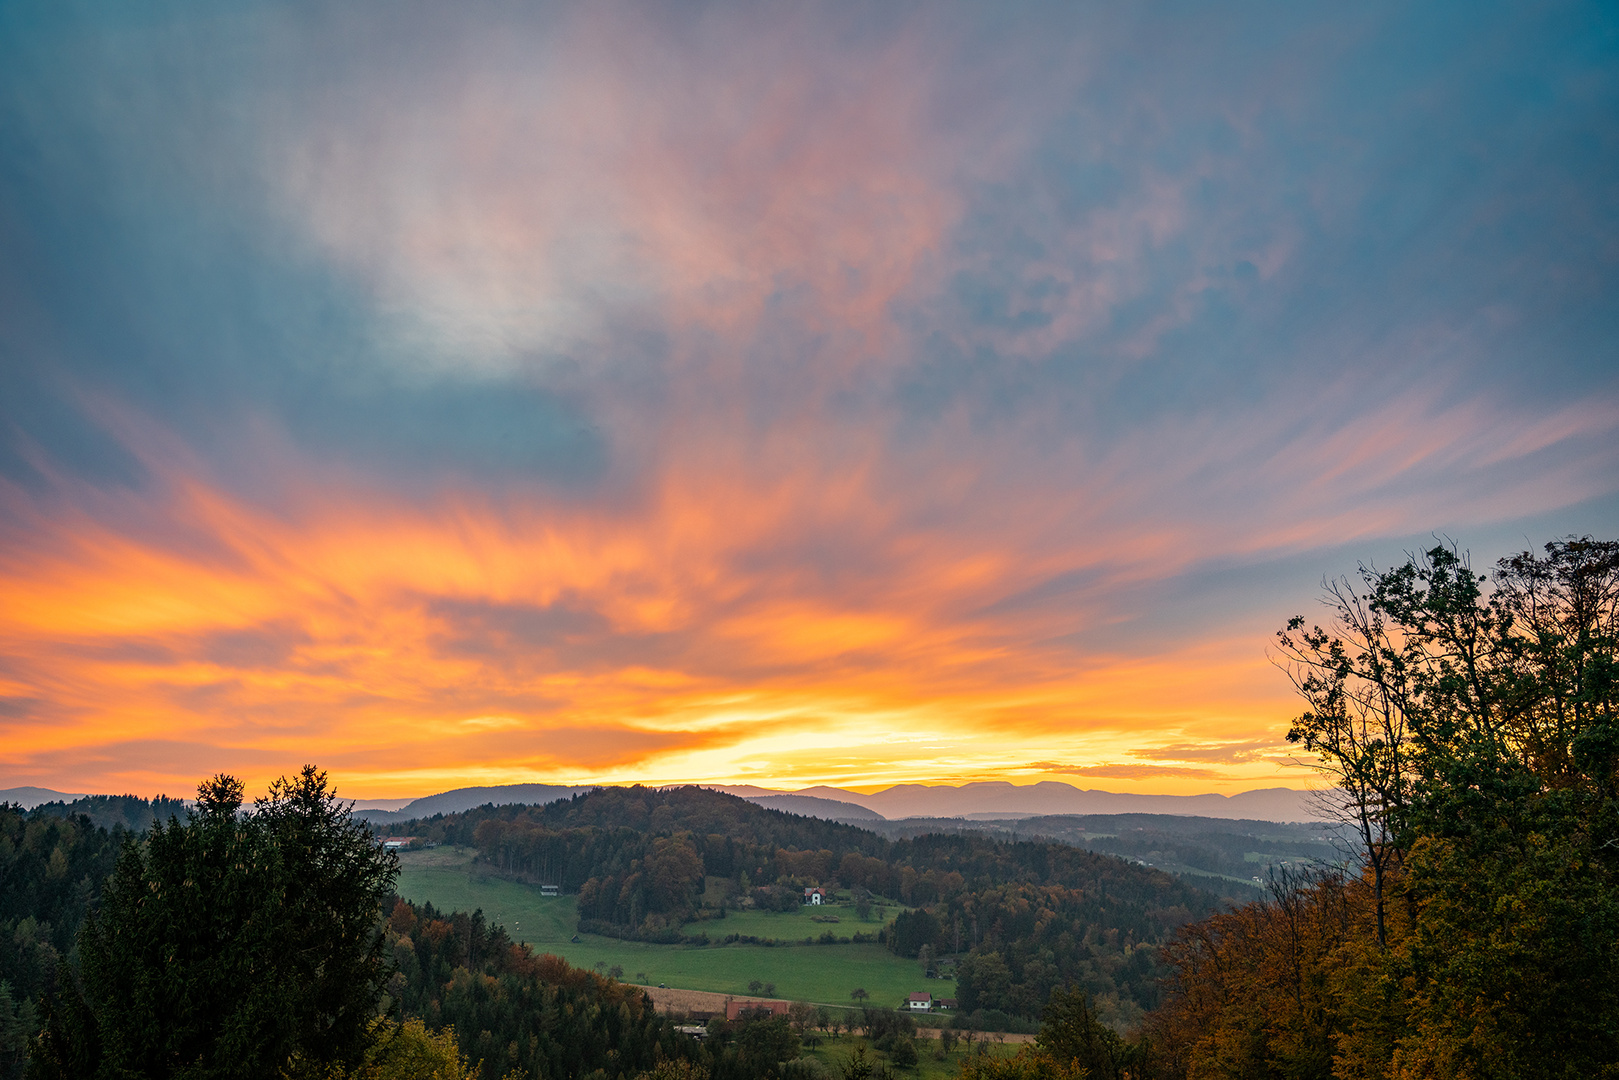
(413, 646)
(1122, 772)
(728, 244)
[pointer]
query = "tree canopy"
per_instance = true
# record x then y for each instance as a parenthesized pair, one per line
(231, 944)
(1471, 721)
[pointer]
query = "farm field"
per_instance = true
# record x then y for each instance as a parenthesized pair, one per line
(823, 974)
(795, 925)
(833, 1055)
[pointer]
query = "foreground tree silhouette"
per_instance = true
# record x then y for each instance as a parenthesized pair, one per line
(1472, 724)
(231, 944)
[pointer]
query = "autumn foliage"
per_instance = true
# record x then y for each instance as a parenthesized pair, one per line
(1471, 723)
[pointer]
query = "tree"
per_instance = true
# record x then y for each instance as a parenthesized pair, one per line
(411, 1052)
(859, 994)
(1072, 1045)
(232, 944)
(984, 981)
(1472, 723)
(764, 1043)
(676, 1069)
(1070, 1032)
(857, 1067)
(801, 1014)
(1358, 723)
(904, 1053)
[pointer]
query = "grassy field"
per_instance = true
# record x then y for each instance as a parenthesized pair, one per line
(824, 974)
(834, 1054)
(794, 925)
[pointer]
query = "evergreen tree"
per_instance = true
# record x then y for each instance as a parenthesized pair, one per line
(231, 944)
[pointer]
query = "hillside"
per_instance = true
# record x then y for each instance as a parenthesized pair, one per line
(1021, 916)
(1233, 858)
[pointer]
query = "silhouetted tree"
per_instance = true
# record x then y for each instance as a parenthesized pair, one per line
(1472, 724)
(232, 944)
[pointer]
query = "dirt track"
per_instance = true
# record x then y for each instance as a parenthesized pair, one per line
(668, 1000)
(688, 1000)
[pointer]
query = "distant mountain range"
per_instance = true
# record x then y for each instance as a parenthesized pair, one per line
(461, 799)
(992, 799)
(30, 797)
(984, 800)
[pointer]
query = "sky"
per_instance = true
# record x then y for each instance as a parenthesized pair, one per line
(768, 393)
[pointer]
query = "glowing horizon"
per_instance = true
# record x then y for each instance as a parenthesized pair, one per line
(625, 393)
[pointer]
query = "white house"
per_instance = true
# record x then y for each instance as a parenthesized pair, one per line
(814, 896)
(921, 1002)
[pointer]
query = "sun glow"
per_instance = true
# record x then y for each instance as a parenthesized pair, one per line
(410, 649)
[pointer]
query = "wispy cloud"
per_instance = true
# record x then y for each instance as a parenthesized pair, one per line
(1125, 771)
(618, 390)
(1222, 753)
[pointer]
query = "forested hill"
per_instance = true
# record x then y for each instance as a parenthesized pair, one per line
(1023, 916)
(116, 811)
(683, 836)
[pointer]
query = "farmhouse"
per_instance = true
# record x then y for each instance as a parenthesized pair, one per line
(815, 896)
(735, 1008)
(920, 1002)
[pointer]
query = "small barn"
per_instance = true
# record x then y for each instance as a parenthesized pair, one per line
(735, 1008)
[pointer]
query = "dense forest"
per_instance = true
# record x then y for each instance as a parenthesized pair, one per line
(1232, 858)
(51, 870)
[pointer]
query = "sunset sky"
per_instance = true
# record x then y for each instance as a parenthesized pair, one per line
(783, 394)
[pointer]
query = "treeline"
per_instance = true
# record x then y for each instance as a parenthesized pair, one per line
(1036, 939)
(515, 1011)
(1240, 850)
(129, 812)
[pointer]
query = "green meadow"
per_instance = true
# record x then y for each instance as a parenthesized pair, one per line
(824, 974)
(931, 1066)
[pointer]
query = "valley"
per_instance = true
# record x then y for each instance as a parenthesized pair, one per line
(448, 878)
